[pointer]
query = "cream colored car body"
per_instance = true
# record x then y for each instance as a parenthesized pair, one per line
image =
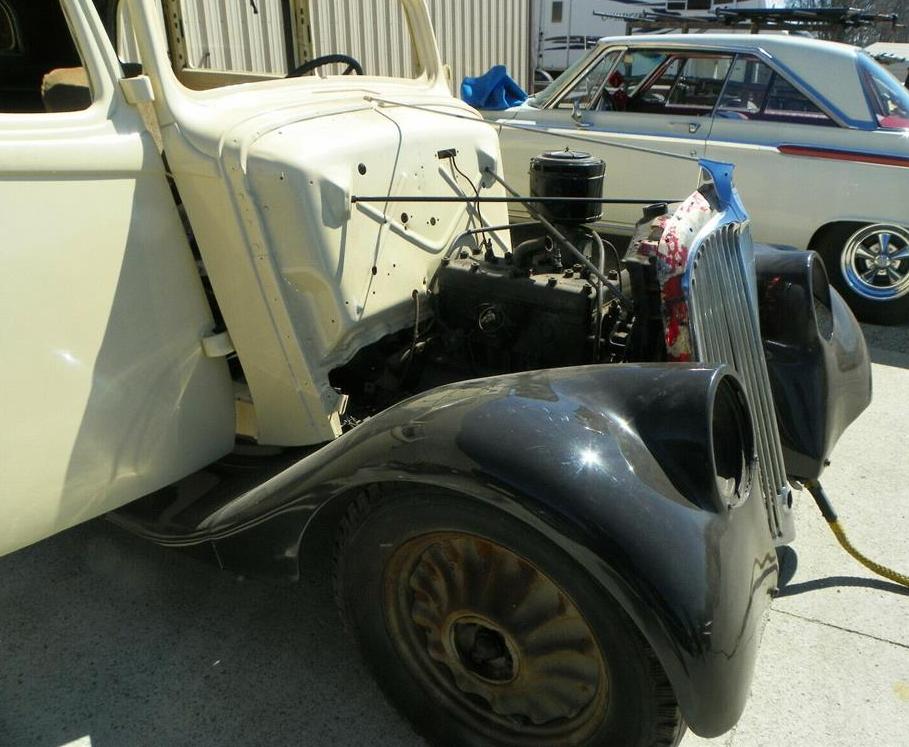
(114, 383)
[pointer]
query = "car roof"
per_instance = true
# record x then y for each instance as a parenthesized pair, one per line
(752, 41)
(827, 68)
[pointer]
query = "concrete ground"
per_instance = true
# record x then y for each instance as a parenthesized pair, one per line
(833, 667)
(107, 640)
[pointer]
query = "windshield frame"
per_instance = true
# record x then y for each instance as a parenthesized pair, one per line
(169, 32)
(568, 76)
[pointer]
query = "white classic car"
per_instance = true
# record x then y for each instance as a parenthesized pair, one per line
(242, 303)
(818, 131)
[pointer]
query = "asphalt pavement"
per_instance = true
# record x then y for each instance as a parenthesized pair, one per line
(106, 640)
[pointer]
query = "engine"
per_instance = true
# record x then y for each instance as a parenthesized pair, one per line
(524, 311)
(563, 298)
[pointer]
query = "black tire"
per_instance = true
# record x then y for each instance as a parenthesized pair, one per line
(594, 682)
(835, 240)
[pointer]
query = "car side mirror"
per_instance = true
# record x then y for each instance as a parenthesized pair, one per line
(577, 115)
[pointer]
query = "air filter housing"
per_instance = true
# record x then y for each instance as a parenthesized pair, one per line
(568, 173)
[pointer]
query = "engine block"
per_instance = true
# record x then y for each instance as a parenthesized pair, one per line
(512, 318)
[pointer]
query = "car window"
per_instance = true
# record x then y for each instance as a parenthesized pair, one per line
(785, 103)
(656, 93)
(40, 68)
(699, 85)
(755, 91)
(541, 99)
(634, 67)
(9, 35)
(586, 90)
(682, 84)
(746, 88)
(889, 99)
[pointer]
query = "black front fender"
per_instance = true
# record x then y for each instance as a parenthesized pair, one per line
(817, 359)
(611, 463)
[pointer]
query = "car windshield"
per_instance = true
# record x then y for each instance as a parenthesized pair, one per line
(888, 97)
(541, 99)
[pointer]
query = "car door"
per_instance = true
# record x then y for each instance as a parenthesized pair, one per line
(105, 390)
(644, 111)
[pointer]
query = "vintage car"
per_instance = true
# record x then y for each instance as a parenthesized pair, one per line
(241, 309)
(818, 131)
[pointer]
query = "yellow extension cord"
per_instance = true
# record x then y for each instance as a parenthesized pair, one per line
(880, 570)
(823, 503)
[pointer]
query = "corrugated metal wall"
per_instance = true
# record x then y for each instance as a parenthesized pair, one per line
(217, 32)
(473, 35)
(371, 31)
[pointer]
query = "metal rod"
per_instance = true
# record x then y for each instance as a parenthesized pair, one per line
(516, 198)
(558, 236)
(513, 125)
(493, 229)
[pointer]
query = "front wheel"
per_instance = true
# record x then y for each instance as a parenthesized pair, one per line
(484, 633)
(869, 265)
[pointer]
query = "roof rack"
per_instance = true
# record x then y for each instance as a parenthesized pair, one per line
(832, 20)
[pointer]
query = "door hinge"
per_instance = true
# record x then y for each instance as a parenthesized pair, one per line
(137, 90)
(218, 345)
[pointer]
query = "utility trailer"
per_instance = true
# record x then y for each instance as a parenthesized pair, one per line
(241, 308)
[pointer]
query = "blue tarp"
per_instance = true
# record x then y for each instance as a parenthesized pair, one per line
(494, 90)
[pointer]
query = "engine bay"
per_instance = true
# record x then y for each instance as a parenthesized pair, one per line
(562, 297)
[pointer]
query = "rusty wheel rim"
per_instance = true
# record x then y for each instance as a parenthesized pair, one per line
(495, 639)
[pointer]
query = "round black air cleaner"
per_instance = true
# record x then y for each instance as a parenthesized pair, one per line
(568, 173)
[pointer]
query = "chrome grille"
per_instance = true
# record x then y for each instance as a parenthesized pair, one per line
(725, 328)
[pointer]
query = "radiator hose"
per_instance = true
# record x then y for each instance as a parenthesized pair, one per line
(823, 503)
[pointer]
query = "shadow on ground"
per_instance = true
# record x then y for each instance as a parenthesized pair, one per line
(831, 582)
(239, 662)
(889, 346)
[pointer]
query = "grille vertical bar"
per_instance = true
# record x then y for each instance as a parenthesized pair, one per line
(726, 329)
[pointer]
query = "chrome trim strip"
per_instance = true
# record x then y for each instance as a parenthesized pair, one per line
(721, 289)
(840, 154)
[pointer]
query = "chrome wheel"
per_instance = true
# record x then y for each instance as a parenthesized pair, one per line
(875, 262)
(496, 639)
